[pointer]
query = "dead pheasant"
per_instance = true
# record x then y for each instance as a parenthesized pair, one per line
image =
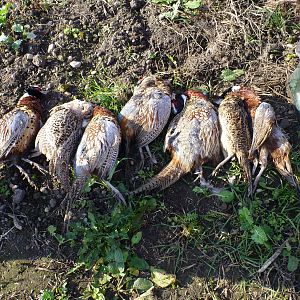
(267, 138)
(97, 153)
(262, 116)
(60, 135)
(145, 115)
(19, 127)
(192, 138)
(235, 133)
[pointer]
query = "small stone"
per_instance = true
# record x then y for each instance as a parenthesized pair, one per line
(44, 190)
(49, 87)
(111, 60)
(51, 48)
(28, 56)
(52, 203)
(39, 60)
(137, 4)
(47, 209)
(60, 57)
(69, 59)
(18, 196)
(13, 186)
(94, 72)
(75, 64)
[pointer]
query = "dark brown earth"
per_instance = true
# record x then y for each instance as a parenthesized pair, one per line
(124, 41)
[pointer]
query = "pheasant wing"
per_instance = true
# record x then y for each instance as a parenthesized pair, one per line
(153, 117)
(12, 127)
(263, 123)
(98, 148)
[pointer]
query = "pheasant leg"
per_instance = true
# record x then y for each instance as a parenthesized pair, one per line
(116, 193)
(26, 176)
(262, 169)
(222, 163)
(255, 164)
(151, 156)
(141, 164)
(203, 182)
(36, 165)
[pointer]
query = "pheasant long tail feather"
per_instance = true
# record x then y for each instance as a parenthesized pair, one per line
(244, 162)
(61, 169)
(74, 192)
(284, 167)
(170, 174)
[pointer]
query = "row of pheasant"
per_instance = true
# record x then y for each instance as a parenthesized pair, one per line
(243, 127)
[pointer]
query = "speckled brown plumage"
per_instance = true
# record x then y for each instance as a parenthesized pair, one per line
(59, 137)
(262, 117)
(192, 138)
(97, 151)
(145, 115)
(235, 133)
(267, 137)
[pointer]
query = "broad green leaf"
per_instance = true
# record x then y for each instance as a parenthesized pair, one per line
(133, 271)
(246, 219)
(138, 263)
(136, 238)
(17, 27)
(293, 263)
(226, 196)
(231, 75)
(47, 295)
(16, 45)
(142, 284)
(161, 278)
(258, 235)
(118, 256)
(51, 229)
(193, 4)
(115, 268)
(105, 279)
(3, 38)
(3, 13)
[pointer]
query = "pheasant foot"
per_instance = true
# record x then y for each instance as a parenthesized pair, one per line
(26, 176)
(36, 165)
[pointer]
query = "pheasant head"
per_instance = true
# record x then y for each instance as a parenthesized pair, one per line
(155, 81)
(178, 103)
(98, 110)
(31, 99)
(251, 99)
(195, 95)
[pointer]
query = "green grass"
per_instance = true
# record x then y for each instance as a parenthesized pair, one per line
(262, 224)
(103, 90)
(106, 247)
